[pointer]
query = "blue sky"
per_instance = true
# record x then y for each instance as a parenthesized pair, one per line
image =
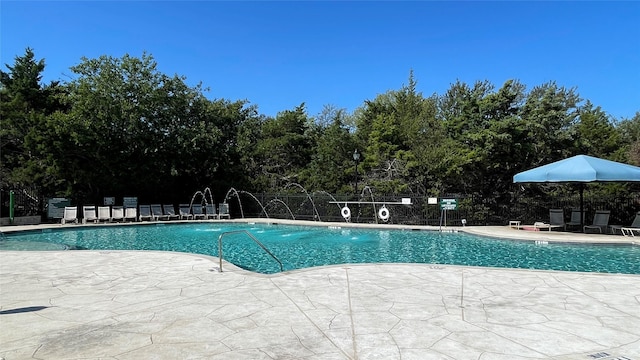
(277, 55)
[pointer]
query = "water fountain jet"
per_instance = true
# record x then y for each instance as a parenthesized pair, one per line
(373, 202)
(276, 200)
(237, 193)
(317, 215)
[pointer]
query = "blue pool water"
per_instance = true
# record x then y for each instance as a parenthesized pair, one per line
(303, 246)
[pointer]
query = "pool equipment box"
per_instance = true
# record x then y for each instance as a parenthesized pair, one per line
(55, 207)
(448, 204)
(130, 202)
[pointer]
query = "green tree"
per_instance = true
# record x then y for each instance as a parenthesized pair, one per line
(424, 148)
(500, 142)
(461, 114)
(629, 133)
(25, 105)
(595, 133)
(229, 161)
(331, 163)
(133, 131)
(459, 108)
(550, 113)
(390, 127)
(284, 148)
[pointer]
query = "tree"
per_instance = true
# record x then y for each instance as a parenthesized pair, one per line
(25, 106)
(629, 132)
(284, 149)
(424, 150)
(149, 134)
(595, 133)
(331, 159)
(459, 111)
(500, 141)
(389, 126)
(549, 113)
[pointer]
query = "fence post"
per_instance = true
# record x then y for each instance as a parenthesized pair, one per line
(11, 203)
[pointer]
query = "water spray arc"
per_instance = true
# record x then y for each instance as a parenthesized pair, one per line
(278, 201)
(237, 193)
(315, 210)
(203, 196)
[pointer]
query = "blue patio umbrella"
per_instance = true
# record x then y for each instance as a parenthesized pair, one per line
(580, 169)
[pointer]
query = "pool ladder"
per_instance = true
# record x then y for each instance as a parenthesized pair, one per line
(252, 238)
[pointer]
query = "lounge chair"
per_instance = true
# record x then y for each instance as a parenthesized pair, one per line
(556, 219)
(600, 221)
(145, 213)
(210, 212)
(156, 212)
(70, 215)
(197, 212)
(130, 214)
(537, 226)
(117, 213)
(89, 214)
(575, 219)
(223, 211)
(631, 230)
(185, 213)
(170, 212)
(104, 213)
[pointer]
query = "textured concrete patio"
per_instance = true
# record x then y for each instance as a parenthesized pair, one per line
(162, 305)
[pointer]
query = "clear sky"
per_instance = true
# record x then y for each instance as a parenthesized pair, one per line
(277, 55)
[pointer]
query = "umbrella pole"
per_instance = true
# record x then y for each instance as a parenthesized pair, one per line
(581, 205)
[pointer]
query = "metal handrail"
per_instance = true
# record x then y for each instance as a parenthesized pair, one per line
(252, 238)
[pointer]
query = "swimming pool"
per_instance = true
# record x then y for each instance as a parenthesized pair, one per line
(308, 246)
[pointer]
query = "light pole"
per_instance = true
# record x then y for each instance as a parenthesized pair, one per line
(356, 158)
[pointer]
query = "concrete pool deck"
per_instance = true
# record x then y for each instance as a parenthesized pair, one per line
(164, 305)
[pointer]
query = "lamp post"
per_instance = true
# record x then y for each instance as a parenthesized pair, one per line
(356, 158)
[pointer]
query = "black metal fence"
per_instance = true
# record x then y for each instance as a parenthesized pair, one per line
(473, 209)
(26, 202)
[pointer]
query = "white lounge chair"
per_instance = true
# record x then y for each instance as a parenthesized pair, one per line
(70, 215)
(131, 214)
(185, 214)
(117, 213)
(631, 230)
(89, 214)
(104, 213)
(600, 221)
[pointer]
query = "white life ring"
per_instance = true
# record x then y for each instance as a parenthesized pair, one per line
(346, 213)
(383, 214)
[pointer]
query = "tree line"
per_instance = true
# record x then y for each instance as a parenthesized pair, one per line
(120, 127)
